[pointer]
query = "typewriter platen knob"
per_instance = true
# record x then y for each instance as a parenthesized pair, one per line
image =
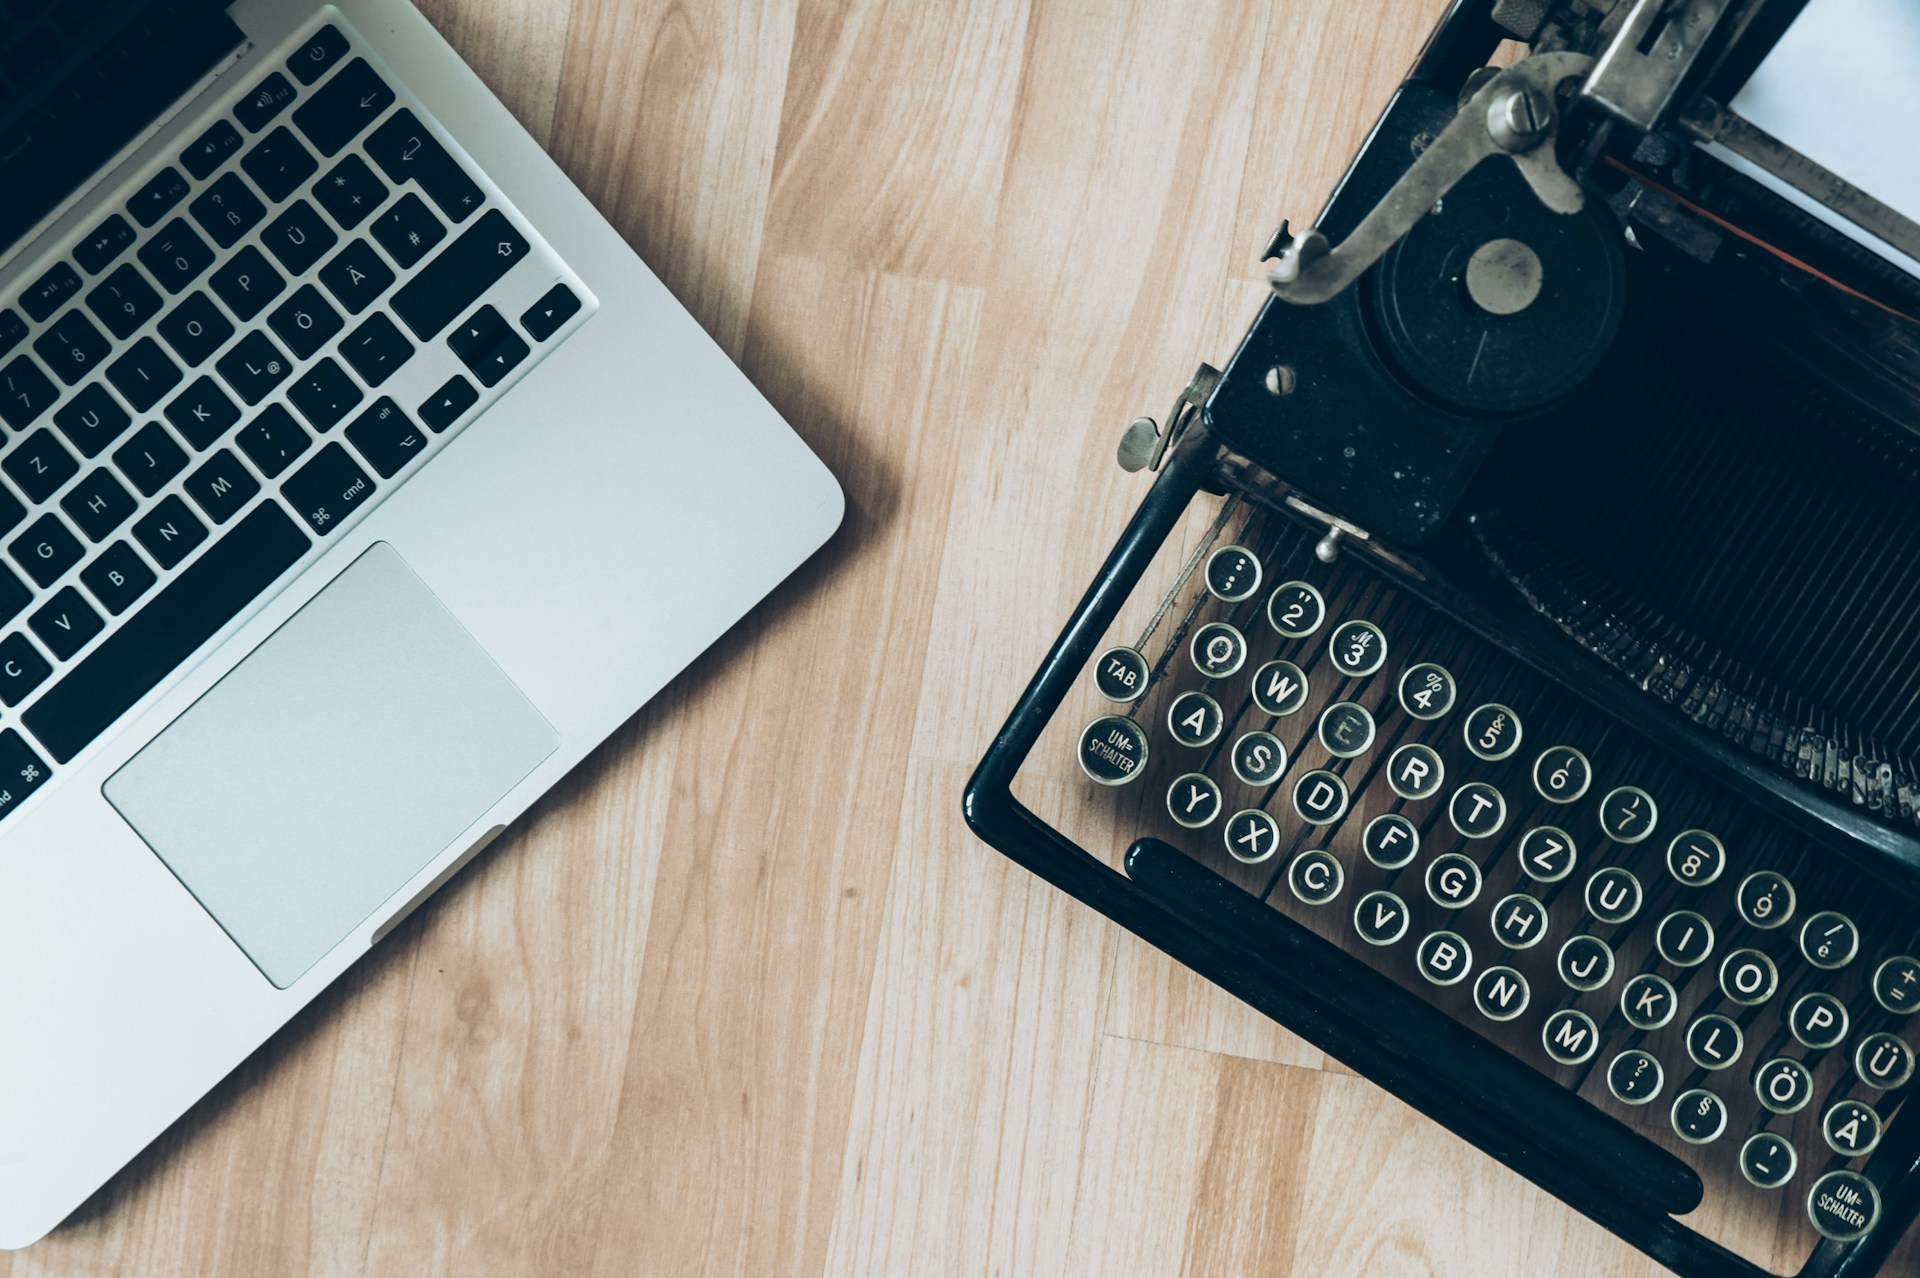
(1495, 305)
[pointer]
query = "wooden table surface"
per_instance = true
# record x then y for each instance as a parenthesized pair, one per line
(744, 996)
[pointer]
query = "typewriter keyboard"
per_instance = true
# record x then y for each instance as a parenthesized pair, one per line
(1366, 765)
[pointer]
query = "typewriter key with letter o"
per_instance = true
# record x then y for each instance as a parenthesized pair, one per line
(1233, 573)
(1320, 798)
(1295, 610)
(1113, 749)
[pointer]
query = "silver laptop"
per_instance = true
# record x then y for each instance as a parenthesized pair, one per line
(357, 480)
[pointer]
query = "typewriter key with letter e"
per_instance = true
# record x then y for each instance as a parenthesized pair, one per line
(1346, 730)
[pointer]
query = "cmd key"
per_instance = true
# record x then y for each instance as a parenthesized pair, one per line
(465, 269)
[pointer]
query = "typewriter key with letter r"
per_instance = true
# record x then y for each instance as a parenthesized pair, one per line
(1415, 771)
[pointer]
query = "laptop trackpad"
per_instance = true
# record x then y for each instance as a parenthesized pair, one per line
(325, 770)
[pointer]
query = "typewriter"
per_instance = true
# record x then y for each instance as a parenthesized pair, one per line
(1510, 681)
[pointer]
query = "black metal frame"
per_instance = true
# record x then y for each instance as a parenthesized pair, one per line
(1587, 1159)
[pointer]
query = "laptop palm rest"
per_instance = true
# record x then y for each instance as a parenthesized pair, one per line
(347, 751)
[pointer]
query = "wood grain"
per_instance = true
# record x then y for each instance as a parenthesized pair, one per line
(743, 996)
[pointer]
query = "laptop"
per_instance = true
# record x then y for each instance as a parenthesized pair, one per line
(357, 480)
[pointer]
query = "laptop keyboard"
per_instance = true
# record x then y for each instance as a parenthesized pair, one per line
(266, 334)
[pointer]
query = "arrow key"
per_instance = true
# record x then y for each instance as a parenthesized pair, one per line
(487, 346)
(447, 403)
(544, 318)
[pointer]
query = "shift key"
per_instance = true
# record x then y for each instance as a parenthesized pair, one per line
(465, 269)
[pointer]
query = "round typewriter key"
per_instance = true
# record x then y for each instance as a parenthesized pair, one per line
(1896, 985)
(1477, 810)
(1765, 899)
(1357, 648)
(1500, 993)
(1259, 759)
(1279, 688)
(1520, 922)
(1380, 918)
(1570, 1036)
(1390, 841)
(1218, 650)
(1819, 1021)
(1561, 774)
(1628, 814)
(1852, 1128)
(1648, 1001)
(1699, 1117)
(1320, 798)
(1453, 881)
(1415, 771)
(1194, 719)
(1585, 963)
(1492, 732)
(1696, 858)
(1843, 1206)
(1121, 675)
(1883, 1061)
(1444, 958)
(1233, 573)
(1829, 940)
(1714, 1042)
(1635, 1077)
(1426, 691)
(1251, 835)
(1113, 749)
(1748, 977)
(1315, 877)
(1783, 1085)
(1684, 938)
(1346, 729)
(1613, 895)
(1295, 609)
(1193, 800)
(1547, 853)
(1768, 1160)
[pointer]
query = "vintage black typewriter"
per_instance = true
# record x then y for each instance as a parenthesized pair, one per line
(1511, 681)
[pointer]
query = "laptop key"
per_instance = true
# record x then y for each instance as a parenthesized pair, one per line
(72, 348)
(46, 549)
(267, 100)
(99, 504)
(39, 465)
(356, 276)
(227, 210)
(144, 374)
(22, 668)
(299, 238)
(117, 577)
(92, 420)
(21, 771)
(455, 279)
(166, 630)
(248, 282)
(273, 441)
(305, 322)
(451, 400)
(324, 394)
(202, 413)
(211, 149)
(312, 59)
(376, 349)
(196, 329)
(15, 594)
(327, 489)
(124, 301)
(222, 486)
(50, 292)
(25, 393)
(65, 623)
(386, 438)
(350, 192)
(13, 330)
(150, 459)
(351, 101)
(278, 163)
(108, 240)
(11, 513)
(408, 230)
(407, 151)
(175, 255)
(169, 531)
(153, 201)
(491, 350)
(254, 367)
(555, 307)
